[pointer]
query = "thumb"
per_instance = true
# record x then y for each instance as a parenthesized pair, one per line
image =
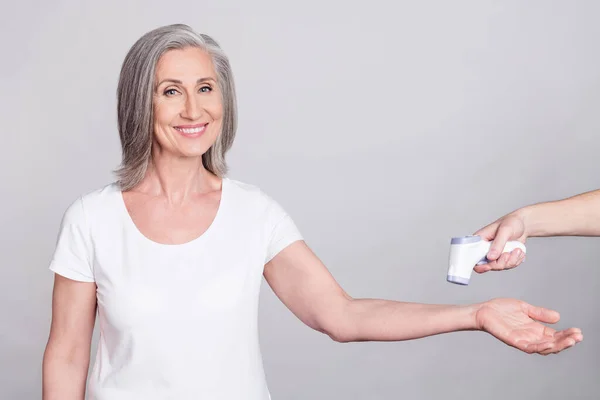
(542, 314)
(503, 235)
(488, 232)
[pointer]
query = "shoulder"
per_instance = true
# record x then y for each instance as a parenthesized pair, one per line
(249, 194)
(101, 196)
(91, 203)
(254, 200)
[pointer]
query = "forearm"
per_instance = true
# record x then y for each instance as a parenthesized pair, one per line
(384, 320)
(63, 378)
(574, 216)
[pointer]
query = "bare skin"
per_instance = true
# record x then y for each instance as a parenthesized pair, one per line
(177, 201)
(574, 216)
(67, 354)
(304, 285)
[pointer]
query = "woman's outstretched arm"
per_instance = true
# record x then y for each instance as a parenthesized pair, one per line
(308, 289)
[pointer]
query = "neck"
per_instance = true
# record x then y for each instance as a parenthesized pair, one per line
(177, 178)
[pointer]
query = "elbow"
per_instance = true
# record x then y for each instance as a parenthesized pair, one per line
(340, 337)
(339, 324)
(73, 356)
(335, 331)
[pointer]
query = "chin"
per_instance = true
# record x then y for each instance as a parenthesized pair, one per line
(195, 150)
(192, 152)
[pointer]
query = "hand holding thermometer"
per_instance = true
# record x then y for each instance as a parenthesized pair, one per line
(468, 251)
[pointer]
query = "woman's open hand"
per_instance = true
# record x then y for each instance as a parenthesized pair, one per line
(520, 325)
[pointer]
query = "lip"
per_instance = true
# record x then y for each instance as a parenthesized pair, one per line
(198, 130)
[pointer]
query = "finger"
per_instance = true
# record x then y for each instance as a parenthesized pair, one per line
(554, 342)
(505, 261)
(501, 263)
(488, 232)
(561, 345)
(531, 348)
(572, 333)
(489, 266)
(578, 336)
(542, 314)
(548, 348)
(503, 235)
(497, 265)
(568, 332)
(514, 258)
(484, 267)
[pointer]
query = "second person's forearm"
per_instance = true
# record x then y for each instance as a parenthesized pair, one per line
(574, 216)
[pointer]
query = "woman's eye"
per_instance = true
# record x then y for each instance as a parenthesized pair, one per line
(205, 89)
(170, 92)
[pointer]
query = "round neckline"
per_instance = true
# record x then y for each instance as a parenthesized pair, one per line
(131, 224)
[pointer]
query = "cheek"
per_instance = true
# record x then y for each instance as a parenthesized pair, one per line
(164, 113)
(215, 109)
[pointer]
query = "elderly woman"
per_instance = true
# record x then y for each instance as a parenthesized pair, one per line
(172, 255)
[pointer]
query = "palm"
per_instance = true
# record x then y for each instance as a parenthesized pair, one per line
(516, 323)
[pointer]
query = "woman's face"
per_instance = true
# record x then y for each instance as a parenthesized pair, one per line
(188, 110)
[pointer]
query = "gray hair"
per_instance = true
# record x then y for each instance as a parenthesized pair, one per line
(134, 100)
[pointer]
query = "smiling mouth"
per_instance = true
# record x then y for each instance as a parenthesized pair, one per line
(192, 129)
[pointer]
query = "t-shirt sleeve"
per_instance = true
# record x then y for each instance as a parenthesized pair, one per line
(72, 254)
(282, 230)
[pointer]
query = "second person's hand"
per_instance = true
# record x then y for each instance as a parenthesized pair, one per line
(509, 227)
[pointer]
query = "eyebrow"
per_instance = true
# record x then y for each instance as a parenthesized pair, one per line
(201, 80)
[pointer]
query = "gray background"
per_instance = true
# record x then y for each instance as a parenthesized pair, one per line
(384, 129)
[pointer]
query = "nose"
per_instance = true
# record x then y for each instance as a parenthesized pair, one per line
(192, 109)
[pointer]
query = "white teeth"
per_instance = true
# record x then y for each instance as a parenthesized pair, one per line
(192, 130)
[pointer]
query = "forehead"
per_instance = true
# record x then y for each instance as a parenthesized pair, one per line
(191, 62)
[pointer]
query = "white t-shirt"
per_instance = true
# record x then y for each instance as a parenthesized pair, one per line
(176, 321)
